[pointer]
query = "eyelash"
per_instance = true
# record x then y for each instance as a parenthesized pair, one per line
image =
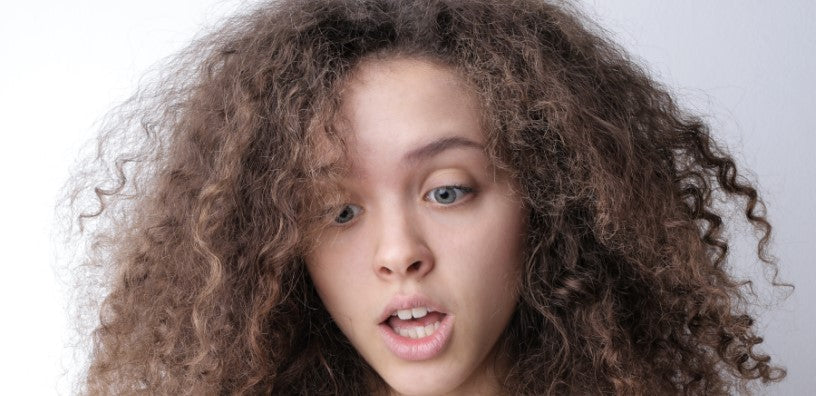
(465, 191)
(461, 192)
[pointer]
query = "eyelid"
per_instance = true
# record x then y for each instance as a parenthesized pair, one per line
(467, 191)
(336, 213)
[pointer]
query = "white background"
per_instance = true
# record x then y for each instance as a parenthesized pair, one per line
(747, 66)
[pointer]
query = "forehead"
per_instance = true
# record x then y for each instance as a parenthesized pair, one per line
(390, 107)
(410, 75)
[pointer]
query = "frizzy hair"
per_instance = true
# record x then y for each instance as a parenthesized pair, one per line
(221, 167)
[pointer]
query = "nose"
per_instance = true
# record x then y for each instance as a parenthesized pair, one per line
(401, 250)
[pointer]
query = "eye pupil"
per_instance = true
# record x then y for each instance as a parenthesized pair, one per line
(444, 195)
(345, 216)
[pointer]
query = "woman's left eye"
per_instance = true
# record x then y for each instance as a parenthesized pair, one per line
(448, 195)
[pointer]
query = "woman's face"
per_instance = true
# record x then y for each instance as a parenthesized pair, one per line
(420, 268)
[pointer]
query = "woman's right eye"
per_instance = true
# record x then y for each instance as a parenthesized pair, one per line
(347, 214)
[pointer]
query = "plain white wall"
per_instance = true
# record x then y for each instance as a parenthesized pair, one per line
(750, 68)
(746, 65)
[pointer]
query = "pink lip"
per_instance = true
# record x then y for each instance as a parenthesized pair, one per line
(421, 348)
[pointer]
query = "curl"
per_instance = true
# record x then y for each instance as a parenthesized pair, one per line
(220, 169)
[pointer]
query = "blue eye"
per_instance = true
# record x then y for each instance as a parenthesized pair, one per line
(347, 214)
(447, 195)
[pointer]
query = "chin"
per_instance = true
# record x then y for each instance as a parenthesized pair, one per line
(416, 388)
(423, 381)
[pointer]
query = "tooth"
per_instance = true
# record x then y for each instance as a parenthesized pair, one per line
(403, 332)
(419, 312)
(429, 329)
(421, 332)
(413, 333)
(404, 314)
(436, 325)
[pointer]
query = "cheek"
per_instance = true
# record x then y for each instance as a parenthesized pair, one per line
(334, 279)
(498, 235)
(490, 252)
(332, 263)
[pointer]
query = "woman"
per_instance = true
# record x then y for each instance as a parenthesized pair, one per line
(429, 197)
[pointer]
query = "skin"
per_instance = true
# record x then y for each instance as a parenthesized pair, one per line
(398, 238)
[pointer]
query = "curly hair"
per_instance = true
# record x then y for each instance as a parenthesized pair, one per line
(219, 166)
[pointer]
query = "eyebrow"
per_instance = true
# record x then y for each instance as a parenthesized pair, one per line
(437, 146)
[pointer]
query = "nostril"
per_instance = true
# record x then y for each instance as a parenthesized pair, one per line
(414, 267)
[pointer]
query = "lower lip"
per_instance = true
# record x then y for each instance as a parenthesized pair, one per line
(420, 348)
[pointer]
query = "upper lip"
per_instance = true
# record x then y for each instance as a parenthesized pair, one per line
(407, 302)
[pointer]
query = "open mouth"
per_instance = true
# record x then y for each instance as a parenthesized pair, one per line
(415, 328)
(415, 323)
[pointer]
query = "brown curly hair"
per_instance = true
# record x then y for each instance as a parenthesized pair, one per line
(218, 169)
